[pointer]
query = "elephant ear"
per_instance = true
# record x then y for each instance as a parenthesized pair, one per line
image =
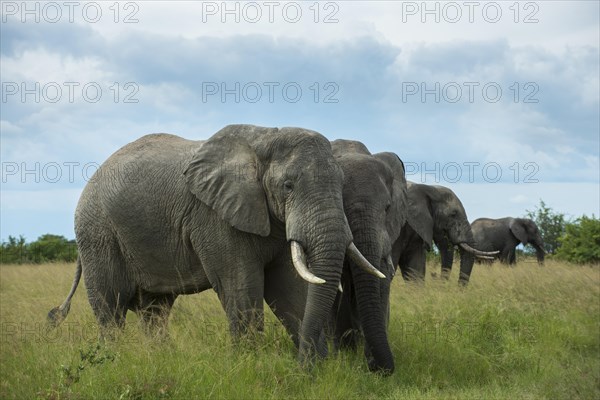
(518, 230)
(224, 174)
(419, 212)
(399, 204)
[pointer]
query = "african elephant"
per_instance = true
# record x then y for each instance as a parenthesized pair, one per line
(166, 216)
(374, 194)
(435, 215)
(505, 234)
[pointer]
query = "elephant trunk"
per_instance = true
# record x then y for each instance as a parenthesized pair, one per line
(324, 244)
(372, 309)
(327, 265)
(540, 253)
(372, 296)
(466, 266)
(467, 258)
(464, 239)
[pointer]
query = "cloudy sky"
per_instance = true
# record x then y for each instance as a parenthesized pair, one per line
(497, 100)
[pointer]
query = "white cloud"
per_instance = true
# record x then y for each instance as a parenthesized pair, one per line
(559, 23)
(519, 199)
(7, 127)
(370, 52)
(44, 65)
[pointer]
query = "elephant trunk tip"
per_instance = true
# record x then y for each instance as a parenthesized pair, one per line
(540, 254)
(540, 260)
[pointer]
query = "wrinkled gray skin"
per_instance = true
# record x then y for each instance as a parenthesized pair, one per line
(375, 205)
(505, 234)
(435, 215)
(166, 216)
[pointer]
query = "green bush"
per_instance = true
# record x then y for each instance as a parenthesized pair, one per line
(581, 241)
(47, 248)
(14, 251)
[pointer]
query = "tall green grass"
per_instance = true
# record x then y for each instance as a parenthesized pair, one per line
(524, 332)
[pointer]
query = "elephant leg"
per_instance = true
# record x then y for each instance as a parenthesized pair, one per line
(108, 287)
(347, 325)
(503, 256)
(412, 263)
(512, 259)
(243, 305)
(447, 255)
(507, 255)
(285, 293)
(110, 309)
(236, 273)
(241, 295)
(154, 310)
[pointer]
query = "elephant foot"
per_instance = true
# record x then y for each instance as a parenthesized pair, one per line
(383, 370)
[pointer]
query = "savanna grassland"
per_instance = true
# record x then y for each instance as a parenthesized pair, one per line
(527, 332)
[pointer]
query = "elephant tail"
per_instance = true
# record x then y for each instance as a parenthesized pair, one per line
(58, 314)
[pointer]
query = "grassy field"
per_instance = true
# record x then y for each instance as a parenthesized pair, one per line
(527, 332)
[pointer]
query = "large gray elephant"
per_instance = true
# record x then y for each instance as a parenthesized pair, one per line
(505, 234)
(435, 215)
(375, 204)
(166, 216)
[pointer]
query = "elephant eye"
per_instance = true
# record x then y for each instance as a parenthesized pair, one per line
(288, 186)
(387, 206)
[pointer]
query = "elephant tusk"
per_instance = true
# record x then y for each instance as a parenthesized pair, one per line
(340, 289)
(360, 260)
(486, 258)
(389, 262)
(478, 253)
(390, 265)
(299, 261)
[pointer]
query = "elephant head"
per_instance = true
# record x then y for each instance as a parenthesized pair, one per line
(282, 182)
(374, 195)
(437, 215)
(526, 231)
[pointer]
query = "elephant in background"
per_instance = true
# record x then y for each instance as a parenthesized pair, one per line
(435, 215)
(505, 234)
(166, 216)
(374, 195)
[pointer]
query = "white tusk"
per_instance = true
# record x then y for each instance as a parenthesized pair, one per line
(476, 252)
(299, 261)
(389, 262)
(390, 265)
(340, 289)
(360, 260)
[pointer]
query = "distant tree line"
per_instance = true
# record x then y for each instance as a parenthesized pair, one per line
(47, 248)
(576, 240)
